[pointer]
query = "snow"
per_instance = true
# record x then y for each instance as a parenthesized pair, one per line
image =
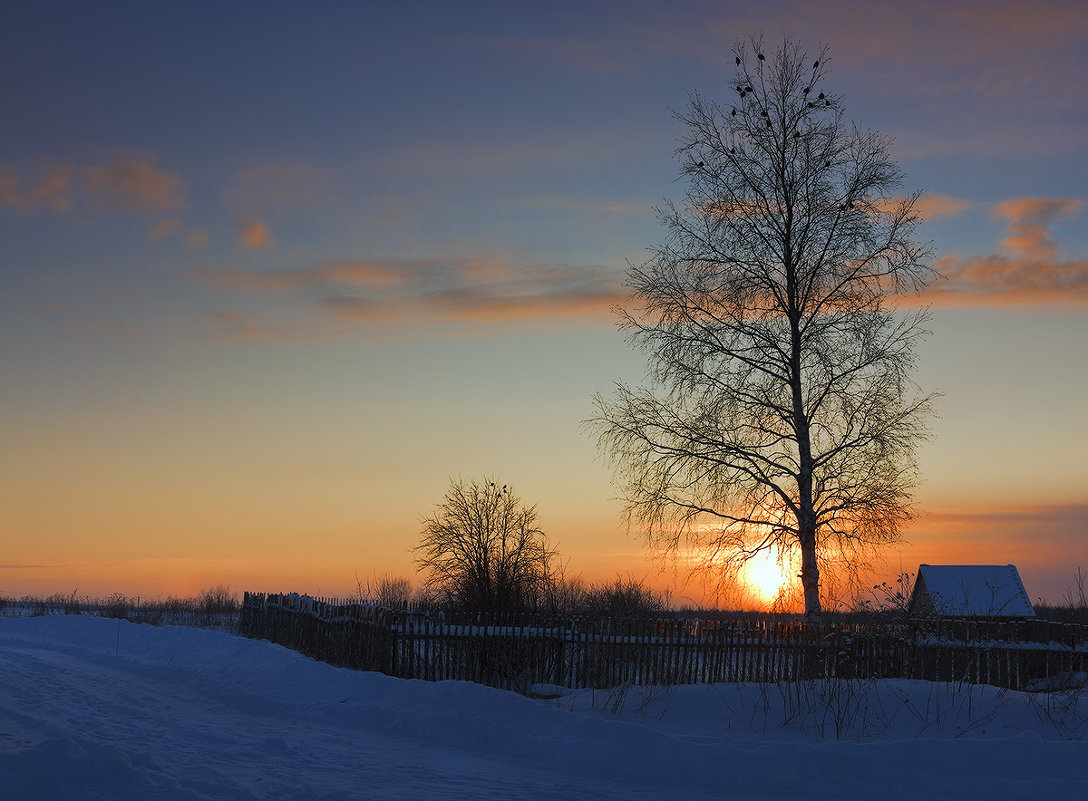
(92, 708)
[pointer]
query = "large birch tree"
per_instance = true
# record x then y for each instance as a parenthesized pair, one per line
(781, 412)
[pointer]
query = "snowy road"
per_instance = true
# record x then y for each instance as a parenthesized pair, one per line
(102, 709)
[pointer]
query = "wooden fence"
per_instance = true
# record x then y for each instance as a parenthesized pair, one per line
(517, 653)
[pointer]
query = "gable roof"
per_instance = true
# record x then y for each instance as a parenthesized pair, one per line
(970, 590)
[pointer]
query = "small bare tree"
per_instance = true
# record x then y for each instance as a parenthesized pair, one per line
(788, 417)
(481, 550)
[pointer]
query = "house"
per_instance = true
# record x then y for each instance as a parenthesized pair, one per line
(970, 591)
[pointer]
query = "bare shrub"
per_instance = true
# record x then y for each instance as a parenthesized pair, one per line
(888, 597)
(1076, 596)
(116, 606)
(392, 592)
(1073, 607)
(625, 598)
(69, 604)
(218, 600)
(566, 597)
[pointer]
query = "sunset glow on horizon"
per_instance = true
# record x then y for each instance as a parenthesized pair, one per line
(271, 280)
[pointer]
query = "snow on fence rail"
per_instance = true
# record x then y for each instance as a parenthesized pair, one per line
(518, 652)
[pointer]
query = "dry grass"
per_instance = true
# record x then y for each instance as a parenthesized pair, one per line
(216, 607)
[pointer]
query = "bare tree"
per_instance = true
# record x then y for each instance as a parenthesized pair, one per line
(481, 549)
(787, 417)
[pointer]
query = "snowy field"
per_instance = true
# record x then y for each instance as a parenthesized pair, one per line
(94, 708)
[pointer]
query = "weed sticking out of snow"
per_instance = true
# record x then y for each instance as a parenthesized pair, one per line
(858, 710)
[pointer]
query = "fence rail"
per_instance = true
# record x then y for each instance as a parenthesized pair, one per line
(517, 653)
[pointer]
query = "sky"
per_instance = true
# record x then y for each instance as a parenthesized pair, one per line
(272, 273)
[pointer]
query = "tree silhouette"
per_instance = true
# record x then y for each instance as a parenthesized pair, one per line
(784, 414)
(482, 551)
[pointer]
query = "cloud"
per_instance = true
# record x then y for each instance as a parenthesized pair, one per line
(1045, 542)
(472, 305)
(362, 273)
(129, 183)
(998, 535)
(495, 155)
(236, 325)
(24, 567)
(1030, 272)
(51, 190)
(255, 235)
(193, 237)
(132, 184)
(436, 290)
(355, 272)
(252, 280)
(162, 230)
(1030, 220)
(1067, 516)
(930, 206)
(604, 207)
(1000, 281)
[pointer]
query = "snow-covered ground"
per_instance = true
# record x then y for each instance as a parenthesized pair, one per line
(93, 708)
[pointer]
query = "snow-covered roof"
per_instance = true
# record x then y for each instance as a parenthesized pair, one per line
(970, 590)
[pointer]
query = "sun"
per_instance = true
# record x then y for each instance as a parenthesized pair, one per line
(764, 575)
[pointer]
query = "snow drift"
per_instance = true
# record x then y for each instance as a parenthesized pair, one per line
(106, 709)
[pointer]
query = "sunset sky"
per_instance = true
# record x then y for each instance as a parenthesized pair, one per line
(273, 272)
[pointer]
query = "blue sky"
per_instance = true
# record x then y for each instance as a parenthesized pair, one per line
(273, 272)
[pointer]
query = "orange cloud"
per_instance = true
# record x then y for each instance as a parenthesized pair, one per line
(53, 189)
(999, 534)
(1030, 220)
(240, 326)
(1029, 273)
(162, 230)
(355, 272)
(1000, 281)
(255, 235)
(474, 306)
(194, 238)
(361, 272)
(442, 290)
(133, 184)
(931, 206)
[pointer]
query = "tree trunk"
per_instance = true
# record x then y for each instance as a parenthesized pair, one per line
(810, 572)
(806, 514)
